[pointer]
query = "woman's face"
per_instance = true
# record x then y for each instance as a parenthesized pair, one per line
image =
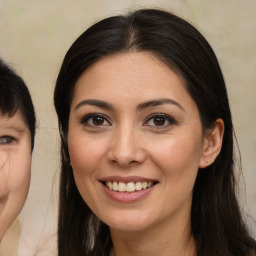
(135, 142)
(15, 163)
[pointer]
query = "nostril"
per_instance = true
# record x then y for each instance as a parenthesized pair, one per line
(126, 151)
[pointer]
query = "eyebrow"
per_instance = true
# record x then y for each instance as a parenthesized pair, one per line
(14, 128)
(97, 103)
(159, 102)
(147, 104)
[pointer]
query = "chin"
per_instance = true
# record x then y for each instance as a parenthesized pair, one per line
(128, 224)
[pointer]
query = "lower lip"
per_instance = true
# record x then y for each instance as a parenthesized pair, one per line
(127, 197)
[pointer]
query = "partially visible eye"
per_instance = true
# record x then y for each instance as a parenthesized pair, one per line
(6, 140)
(95, 119)
(160, 120)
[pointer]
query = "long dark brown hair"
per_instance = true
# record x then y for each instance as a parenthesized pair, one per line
(216, 221)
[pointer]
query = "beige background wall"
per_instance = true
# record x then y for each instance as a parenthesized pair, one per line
(34, 36)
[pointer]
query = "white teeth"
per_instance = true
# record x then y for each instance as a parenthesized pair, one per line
(121, 187)
(144, 185)
(115, 186)
(109, 185)
(138, 186)
(128, 187)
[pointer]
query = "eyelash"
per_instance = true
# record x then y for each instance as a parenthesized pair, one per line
(88, 119)
(6, 140)
(165, 117)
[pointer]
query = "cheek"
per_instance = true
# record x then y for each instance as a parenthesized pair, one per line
(16, 172)
(177, 161)
(3, 168)
(20, 168)
(85, 154)
(177, 155)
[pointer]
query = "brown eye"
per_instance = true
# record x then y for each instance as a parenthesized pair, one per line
(98, 120)
(159, 121)
(95, 119)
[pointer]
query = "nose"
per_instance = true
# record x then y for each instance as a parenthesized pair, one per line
(126, 147)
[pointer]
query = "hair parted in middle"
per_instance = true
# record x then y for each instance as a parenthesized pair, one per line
(216, 221)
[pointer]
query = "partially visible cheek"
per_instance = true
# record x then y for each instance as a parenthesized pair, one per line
(178, 166)
(15, 173)
(3, 159)
(85, 161)
(21, 173)
(175, 158)
(4, 171)
(18, 180)
(86, 155)
(86, 181)
(165, 153)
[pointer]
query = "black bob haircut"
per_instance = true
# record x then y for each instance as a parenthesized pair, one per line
(14, 96)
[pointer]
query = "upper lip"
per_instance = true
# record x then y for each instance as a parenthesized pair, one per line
(127, 179)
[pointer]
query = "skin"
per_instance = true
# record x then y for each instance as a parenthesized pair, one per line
(163, 142)
(15, 166)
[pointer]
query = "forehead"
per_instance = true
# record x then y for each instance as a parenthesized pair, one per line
(14, 121)
(131, 78)
(135, 63)
(129, 72)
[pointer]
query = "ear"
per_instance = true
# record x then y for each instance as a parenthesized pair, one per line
(212, 144)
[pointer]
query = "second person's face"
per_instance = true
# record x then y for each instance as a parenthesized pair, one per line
(15, 165)
(135, 142)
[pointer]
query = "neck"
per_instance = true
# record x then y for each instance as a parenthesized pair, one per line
(161, 239)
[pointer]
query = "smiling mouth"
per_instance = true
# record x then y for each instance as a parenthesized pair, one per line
(128, 187)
